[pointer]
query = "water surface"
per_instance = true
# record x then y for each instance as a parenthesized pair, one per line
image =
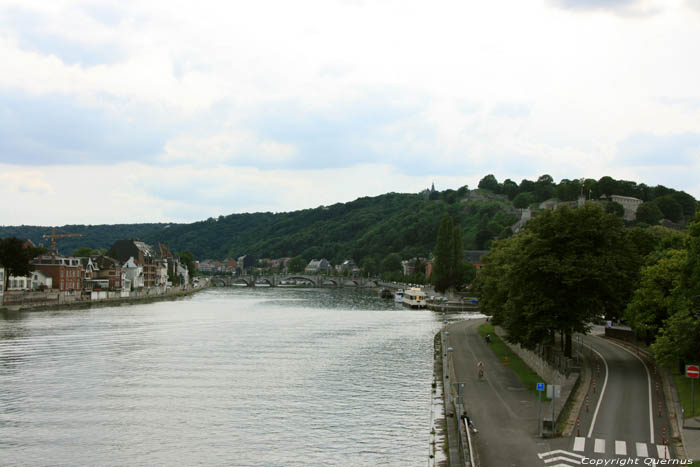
(226, 377)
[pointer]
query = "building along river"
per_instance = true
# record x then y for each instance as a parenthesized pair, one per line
(242, 376)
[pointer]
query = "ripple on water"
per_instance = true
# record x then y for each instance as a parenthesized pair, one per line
(229, 377)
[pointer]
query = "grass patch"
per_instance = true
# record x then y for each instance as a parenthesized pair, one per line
(683, 388)
(502, 351)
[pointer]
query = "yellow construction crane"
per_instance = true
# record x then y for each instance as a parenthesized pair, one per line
(54, 236)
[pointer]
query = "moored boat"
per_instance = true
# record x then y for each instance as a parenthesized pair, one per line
(414, 298)
(398, 296)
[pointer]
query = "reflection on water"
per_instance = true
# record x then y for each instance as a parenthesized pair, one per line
(229, 377)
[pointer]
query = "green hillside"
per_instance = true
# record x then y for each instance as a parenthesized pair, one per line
(93, 236)
(370, 228)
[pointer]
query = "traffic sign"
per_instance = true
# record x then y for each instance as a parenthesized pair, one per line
(692, 371)
(540, 386)
(553, 391)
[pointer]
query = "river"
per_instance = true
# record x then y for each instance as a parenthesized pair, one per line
(229, 377)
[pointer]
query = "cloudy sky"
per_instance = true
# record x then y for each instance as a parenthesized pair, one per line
(120, 111)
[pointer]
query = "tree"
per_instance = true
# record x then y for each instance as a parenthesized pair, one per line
(665, 308)
(670, 208)
(616, 208)
(678, 341)
(544, 188)
(84, 252)
(187, 258)
(523, 200)
(566, 268)
(649, 213)
(510, 188)
(391, 263)
(656, 298)
(297, 264)
(450, 269)
(441, 275)
(490, 183)
(369, 266)
(483, 237)
(16, 257)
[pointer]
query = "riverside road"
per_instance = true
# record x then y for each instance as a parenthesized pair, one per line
(622, 420)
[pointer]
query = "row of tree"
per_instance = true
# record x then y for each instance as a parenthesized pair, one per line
(659, 201)
(665, 308)
(572, 267)
(566, 269)
(16, 257)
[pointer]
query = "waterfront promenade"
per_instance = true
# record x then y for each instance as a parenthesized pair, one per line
(499, 405)
(57, 299)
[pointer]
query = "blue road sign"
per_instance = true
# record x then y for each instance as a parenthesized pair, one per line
(540, 386)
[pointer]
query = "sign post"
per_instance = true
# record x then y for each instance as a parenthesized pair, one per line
(553, 391)
(692, 372)
(540, 388)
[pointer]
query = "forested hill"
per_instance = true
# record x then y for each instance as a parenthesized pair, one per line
(370, 228)
(93, 236)
(367, 227)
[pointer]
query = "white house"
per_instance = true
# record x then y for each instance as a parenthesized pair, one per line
(183, 274)
(134, 273)
(318, 266)
(16, 283)
(40, 279)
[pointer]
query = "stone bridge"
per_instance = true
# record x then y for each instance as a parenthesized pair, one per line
(291, 280)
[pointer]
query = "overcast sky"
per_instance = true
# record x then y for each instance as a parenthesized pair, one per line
(120, 111)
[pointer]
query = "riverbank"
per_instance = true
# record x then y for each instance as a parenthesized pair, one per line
(143, 296)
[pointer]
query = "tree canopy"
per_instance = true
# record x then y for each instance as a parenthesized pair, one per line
(16, 257)
(450, 270)
(568, 267)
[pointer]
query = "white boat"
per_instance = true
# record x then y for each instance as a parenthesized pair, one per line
(414, 298)
(398, 296)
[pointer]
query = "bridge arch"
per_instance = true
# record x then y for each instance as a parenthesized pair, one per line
(302, 278)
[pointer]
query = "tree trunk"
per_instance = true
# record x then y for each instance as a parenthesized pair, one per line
(568, 345)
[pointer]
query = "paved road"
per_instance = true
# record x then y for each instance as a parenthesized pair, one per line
(502, 410)
(621, 421)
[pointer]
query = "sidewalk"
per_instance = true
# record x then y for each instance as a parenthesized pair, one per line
(691, 438)
(504, 412)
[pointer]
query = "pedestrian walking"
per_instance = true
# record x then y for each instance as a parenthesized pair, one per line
(468, 422)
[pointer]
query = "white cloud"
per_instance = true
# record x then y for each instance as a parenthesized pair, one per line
(237, 147)
(285, 94)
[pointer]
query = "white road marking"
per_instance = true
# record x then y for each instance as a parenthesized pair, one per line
(542, 455)
(555, 459)
(579, 444)
(599, 446)
(620, 448)
(642, 450)
(662, 450)
(602, 391)
(651, 405)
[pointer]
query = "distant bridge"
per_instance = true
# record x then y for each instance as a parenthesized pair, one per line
(290, 280)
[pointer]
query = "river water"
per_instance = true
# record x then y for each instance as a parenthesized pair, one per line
(265, 376)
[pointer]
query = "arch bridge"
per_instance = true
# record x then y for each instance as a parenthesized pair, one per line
(292, 280)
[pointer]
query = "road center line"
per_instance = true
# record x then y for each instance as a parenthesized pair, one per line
(602, 391)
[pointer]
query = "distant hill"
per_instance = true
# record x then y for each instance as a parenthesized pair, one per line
(371, 227)
(93, 236)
